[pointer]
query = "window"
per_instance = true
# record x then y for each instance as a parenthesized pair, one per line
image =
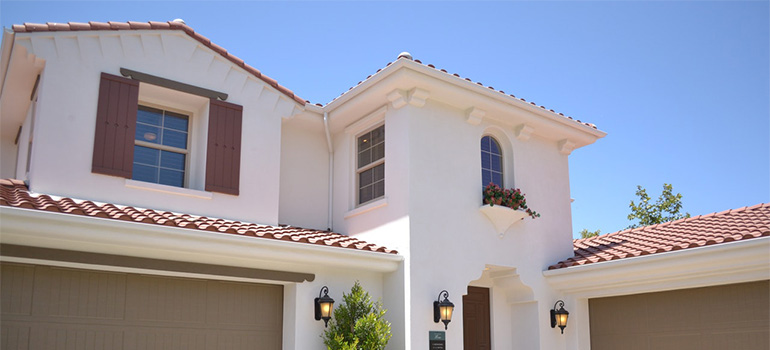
(151, 144)
(371, 165)
(160, 146)
(491, 162)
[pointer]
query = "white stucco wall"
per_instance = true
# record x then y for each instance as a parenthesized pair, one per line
(452, 242)
(308, 331)
(304, 180)
(430, 213)
(67, 110)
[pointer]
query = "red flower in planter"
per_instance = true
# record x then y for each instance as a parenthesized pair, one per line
(510, 197)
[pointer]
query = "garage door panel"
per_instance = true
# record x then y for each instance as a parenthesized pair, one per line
(675, 341)
(79, 293)
(59, 308)
(264, 309)
(630, 342)
(733, 316)
(16, 285)
(74, 337)
(170, 339)
(164, 299)
(750, 338)
(14, 337)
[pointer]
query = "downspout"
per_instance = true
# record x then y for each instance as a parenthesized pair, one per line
(331, 170)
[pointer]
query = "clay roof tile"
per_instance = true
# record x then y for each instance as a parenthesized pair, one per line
(699, 231)
(14, 193)
(170, 25)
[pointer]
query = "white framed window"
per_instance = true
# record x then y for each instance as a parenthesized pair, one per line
(491, 162)
(161, 146)
(370, 164)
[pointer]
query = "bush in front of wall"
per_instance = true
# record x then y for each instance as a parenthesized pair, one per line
(358, 323)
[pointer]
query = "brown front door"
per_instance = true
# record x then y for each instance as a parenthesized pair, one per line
(476, 333)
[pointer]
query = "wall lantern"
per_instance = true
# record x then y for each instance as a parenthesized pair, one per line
(559, 317)
(324, 306)
(442, 309)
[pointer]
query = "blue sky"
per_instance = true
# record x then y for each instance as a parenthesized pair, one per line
(682, 88)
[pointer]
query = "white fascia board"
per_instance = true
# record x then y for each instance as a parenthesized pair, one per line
(726, 263)
(358, 89)
(45, 229)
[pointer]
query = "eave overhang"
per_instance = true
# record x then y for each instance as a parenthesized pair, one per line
(36, 228)
(726, 263)
(405, 77)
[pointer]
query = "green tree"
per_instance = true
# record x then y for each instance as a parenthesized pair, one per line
(358, 323)
(585, 233)
(665, 209)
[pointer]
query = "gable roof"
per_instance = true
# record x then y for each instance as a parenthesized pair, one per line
(704, 230)
(14, 193)
(151, 25)
(459, 80)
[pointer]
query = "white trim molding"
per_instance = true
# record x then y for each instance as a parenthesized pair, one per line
(36, 228)
(726, 263)
(397, 98)
(524, 132)
(566, 147)
(474, 115)
(418, 97)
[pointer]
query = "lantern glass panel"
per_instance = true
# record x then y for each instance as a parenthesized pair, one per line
(561, 320)
(446, 312)
(326, 309)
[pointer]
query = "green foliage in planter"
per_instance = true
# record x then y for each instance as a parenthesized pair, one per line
(509, 197)
(358, 323)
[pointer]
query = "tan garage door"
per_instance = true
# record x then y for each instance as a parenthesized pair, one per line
(59, 308)
(735, 316)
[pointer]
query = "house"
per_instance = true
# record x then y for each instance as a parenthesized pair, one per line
(162, 192)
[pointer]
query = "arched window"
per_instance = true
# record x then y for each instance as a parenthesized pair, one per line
(491, 162)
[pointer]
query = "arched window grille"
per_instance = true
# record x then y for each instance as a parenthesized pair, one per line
(491, 162)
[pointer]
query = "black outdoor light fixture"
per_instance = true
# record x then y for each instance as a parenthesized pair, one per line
(559, 317)
(442, 309)
(324, 306)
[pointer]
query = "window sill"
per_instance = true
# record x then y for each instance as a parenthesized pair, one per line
(148, 186)
(379, 203)
(502, 217)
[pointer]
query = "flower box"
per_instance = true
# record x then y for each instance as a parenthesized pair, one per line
(502, 217)
(504, 207)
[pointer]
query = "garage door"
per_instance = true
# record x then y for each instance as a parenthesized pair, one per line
(59, 308)
(735, 316)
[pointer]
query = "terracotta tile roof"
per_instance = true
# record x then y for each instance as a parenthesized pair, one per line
(14, 193)
(170, 25)
(715, 228)
(457, 76)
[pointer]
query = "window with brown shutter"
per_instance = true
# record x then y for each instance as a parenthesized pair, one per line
(115, 126)
(117, 140)
(223, 157)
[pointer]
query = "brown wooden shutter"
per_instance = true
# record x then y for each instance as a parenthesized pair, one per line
(223, 155)
(115, 126)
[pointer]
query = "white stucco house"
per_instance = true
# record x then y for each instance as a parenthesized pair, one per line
(160, 192)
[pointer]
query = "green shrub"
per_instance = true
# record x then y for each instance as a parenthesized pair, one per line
(358, 323)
